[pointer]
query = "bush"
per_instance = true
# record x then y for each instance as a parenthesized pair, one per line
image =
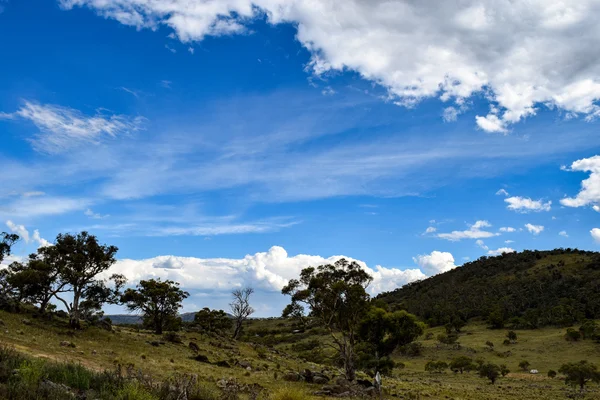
(504, 370)
(436, 366)
(447, 338)
(462, 363)
(134, 391)
(579, 374)
(512, 336)
(552, 374)
(572, 335)
(173, 337)
(413, 349)
(490, 345)
(489, 371)
(524, 365)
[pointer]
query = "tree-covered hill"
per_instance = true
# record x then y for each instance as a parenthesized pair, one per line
(524, 290)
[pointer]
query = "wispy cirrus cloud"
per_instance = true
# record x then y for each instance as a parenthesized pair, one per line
(62, 128)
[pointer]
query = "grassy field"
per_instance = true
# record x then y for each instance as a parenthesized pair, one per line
(101, 350)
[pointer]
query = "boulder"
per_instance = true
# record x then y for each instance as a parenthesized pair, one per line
(201, 358)
(25, 321)
(223, 363)
(194, 347)
(292, 377)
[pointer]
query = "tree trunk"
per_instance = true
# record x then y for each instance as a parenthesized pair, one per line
(74, 315)
(349, 368)
(158, 326)
(238, 329)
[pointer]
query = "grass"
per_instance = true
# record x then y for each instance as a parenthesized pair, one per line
(128, 352)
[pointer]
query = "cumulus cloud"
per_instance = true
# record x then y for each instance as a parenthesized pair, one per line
(269, 271)
(590, 187)
(525, 204)
(507, 229)
(501, 250)
(418, 49)
(430, 229)
(474, 232)
(535, 229)
(24, 234)
(436, 262)
(563, 234)
(595, 234)
(62, 128)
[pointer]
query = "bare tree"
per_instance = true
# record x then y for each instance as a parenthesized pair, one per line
(240, 308)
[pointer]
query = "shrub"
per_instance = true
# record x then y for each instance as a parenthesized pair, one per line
(490, 345)
(462, 363)
(413, 349)
(579, 374)
(524, 365)
(173, 337)
(504, 370)
(436, 366)
(489, 371)
(447, 339)
(552, 374)
(512, 336)
(134, 391)
(572, 335)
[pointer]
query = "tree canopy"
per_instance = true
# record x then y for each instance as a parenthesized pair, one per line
(159, 301)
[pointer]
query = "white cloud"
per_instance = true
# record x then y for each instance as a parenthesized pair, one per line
(590, 187)
(19, 230)
(269, 270)
(33, 194)
(24, 234)
(436, 262)
(501, 250)
(595, 234)
(507, 229)
(523, 54)
(41, 206)
(509, 241)
(481, 244)
(430, 229)
(474, 232)
(450, 114)
(94, 215)
(502, 192)
(563, 233)
(62, 128)
(535, 229)
(525, 204)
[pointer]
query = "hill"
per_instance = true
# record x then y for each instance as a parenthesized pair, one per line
(529, 289)
(133, 319)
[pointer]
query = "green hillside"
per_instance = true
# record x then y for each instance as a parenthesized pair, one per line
(529, 289)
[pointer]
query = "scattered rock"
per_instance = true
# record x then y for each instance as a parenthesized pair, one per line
(194, 347)
(25, 321)
(244, 364)
(201, 358)
(94, 352)
(56, 388)
(292, 377)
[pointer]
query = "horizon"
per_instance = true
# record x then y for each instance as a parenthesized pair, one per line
(236, 143)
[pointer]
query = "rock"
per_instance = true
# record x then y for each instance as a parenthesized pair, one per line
(65, 343)
(292, 377)
(154, 343)
(25, 321)
(248, 368)
(94, 352)
(244, 364)
(56, 388)
(194, 347)
(320, 380)
(223, 364)
(201, 358)
(364, 383)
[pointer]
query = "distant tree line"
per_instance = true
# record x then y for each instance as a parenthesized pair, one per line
(523, 290)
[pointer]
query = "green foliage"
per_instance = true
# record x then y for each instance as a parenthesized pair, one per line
(529, 286)
(134, 391)
(79, 259)
(524, 365)
(7, 240)
(551, 374)
(337, 297)
(382, 332)
(159, 302)
(449, 339)
(436, 366)
(490, 371)
(512, 336)
(504, 370)
(214, 321)
(461, 364)
(572, 335)
(588, 329)
(490, 345)
(579, 374)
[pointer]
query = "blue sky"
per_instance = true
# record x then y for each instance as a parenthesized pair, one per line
(196, 136)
